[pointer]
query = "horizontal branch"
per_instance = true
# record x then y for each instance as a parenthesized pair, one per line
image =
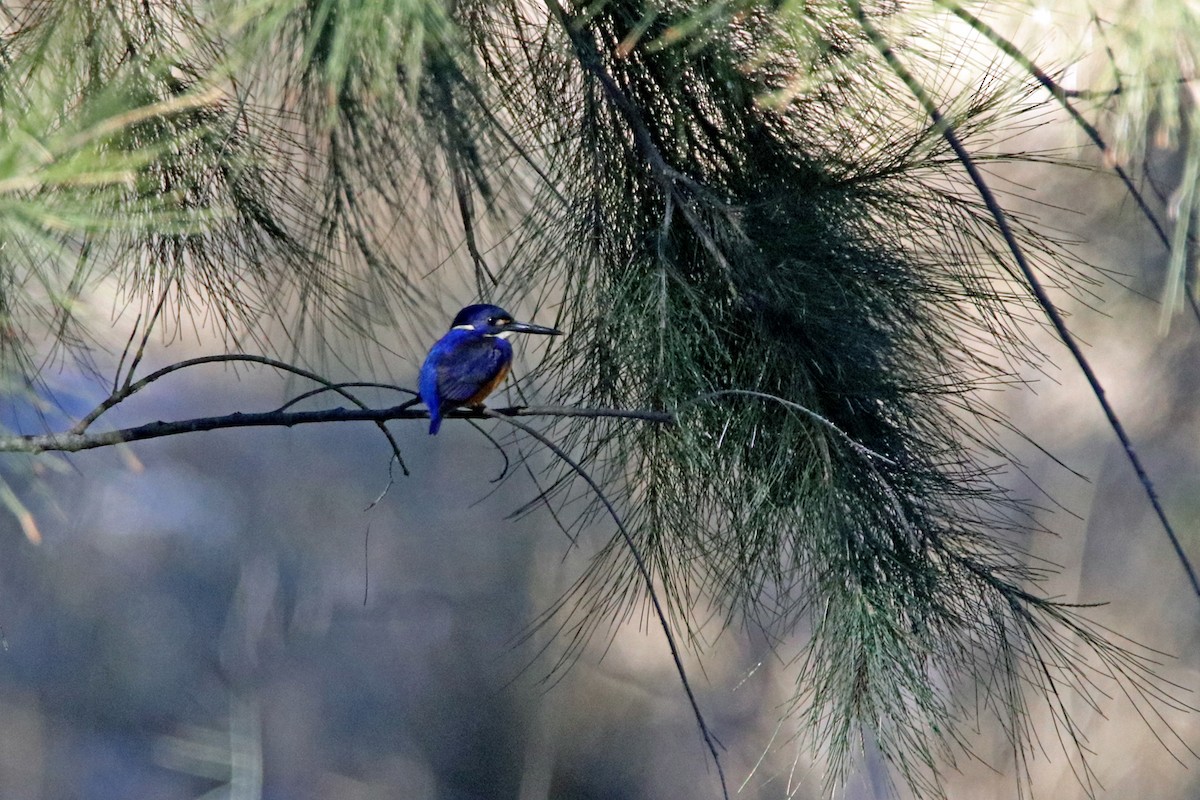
(70, 442)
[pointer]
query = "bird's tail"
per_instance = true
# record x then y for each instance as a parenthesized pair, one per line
(435, 422)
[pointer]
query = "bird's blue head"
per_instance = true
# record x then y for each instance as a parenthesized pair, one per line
(495, 321)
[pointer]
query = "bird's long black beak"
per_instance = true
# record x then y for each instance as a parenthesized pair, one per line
(529, 327)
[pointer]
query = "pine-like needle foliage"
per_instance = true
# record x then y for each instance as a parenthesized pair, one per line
(199, 219)
(789, 270)
(742, 216)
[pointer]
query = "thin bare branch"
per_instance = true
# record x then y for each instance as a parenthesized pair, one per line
(72, 441)
(1064, 96)
(1035, 285)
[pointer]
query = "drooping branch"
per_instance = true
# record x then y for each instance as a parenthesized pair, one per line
(946, 128)
(1064, 97)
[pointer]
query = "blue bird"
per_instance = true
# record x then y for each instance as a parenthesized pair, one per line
(471, 360)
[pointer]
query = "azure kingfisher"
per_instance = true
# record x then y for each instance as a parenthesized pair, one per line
(471, 360)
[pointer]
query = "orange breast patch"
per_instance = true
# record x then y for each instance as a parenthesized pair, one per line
(489, 387)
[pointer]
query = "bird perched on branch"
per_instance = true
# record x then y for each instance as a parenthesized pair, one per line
(471, 360)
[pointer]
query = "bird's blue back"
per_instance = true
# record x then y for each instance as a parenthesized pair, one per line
(459, 366)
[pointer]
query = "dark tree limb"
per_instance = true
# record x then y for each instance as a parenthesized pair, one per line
(1064, 97)
(71, 441)
(998, 214)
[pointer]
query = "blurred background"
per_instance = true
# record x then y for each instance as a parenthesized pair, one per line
(272, 614)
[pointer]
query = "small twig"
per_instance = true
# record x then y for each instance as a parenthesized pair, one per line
(141, 350)
(499, 448)
(1039, 292)
(391, 481)
(660, 417)
(116, 383)
(466, 213)
(710, 740)
(346, 385)
(1063, 97)
(366, 562)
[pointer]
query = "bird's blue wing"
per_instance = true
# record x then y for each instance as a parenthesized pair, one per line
(458, 366)
(470, 365)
